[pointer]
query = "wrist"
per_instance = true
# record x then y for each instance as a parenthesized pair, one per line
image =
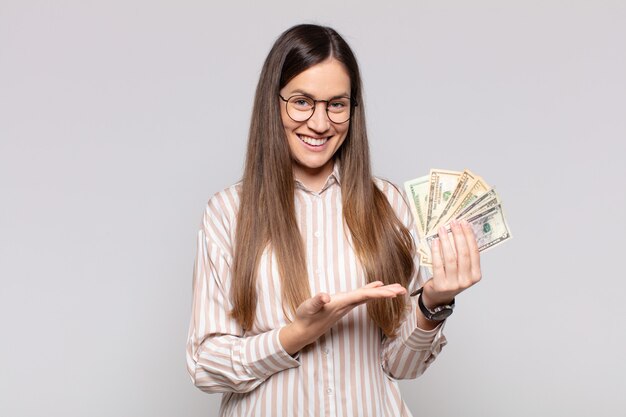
(432, 302)
(433, 299)
(291, 339)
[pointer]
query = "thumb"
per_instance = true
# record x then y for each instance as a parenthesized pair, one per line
(318, 302)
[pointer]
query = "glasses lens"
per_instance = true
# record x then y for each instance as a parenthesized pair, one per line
(339, 110)
(300, 108)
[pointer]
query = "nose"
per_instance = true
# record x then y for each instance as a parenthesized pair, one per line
(319, 121)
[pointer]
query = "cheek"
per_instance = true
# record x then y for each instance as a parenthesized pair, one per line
(344, 132)
(288, 124)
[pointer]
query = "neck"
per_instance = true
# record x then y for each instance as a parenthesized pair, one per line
(313, 178)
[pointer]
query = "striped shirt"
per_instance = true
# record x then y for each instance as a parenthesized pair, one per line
(349, 371)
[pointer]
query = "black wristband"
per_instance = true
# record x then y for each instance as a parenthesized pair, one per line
(439, 313)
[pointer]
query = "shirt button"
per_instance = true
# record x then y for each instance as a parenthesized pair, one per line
(329, 391)
(317, 234)
(325, 351)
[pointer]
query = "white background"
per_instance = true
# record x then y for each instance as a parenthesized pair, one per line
(119, 119)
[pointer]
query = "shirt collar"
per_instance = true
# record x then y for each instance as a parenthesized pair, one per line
(335, 174)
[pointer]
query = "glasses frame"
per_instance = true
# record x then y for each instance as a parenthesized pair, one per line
(353, 104)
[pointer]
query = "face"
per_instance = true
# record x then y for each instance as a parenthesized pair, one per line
(314, 142)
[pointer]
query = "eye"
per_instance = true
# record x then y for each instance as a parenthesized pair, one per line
(338, 105)
(301, 102)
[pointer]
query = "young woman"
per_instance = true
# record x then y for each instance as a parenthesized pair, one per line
(301, 302)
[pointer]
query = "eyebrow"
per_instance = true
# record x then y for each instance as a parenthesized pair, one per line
(305, 93)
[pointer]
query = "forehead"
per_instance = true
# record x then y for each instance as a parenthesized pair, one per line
(326, 79)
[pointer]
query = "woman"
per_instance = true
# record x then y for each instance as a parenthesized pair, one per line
(300, 302)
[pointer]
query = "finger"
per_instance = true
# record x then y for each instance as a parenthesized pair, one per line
(462, 254)
(449, 257)
(364, 295)
(396, 289)
(374, 284)
(439, 271)
(473, 251)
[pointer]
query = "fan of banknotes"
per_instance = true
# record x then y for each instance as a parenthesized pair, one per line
(443, 195)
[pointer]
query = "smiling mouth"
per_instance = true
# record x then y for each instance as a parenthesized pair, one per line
(312, 141)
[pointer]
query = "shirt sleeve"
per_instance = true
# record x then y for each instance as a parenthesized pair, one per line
(220, 357)
(412, 351)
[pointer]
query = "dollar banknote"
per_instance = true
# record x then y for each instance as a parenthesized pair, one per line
(442, 186)
(489, 227)
(466, 184)
(442, 196)
(479, 188)
(483, 202)
(417, 191)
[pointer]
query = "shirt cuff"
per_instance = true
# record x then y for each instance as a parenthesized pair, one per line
(418, 339)
(263, 355)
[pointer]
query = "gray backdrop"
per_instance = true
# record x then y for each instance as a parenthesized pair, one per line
(119, 119)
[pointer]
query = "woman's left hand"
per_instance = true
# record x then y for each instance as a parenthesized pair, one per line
(453, 270)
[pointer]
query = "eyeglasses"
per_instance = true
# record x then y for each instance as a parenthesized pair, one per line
(300, 108)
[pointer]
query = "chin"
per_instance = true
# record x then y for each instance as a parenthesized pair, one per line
(312, 165)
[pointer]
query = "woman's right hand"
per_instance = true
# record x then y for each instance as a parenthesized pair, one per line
(318, 314)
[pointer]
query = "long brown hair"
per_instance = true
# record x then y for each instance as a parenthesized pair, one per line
(267, 211)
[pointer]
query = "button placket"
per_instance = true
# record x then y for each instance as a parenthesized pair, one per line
(320, 209)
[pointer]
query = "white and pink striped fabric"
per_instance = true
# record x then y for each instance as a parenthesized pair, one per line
(350, 371)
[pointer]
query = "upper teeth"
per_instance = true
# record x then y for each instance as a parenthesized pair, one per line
(313, 141)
